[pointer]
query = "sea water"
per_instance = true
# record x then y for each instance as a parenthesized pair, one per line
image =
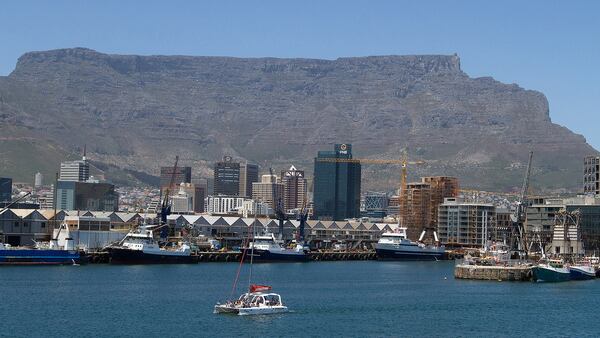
(326, 299)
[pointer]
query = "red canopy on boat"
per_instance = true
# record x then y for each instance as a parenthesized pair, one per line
(259, 288)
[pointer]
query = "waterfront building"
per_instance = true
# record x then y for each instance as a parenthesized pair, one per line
(86, 196)
(75, 171)
(182, 175)
(336, 184)
(466, 224)
(294, 188)
(23, 226)
(5, 189)
(415, 209)
(227, 177)
(375, 205)
(248, 175)
(591, 175)
(268, 191)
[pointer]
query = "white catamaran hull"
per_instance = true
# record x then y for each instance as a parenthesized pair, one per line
(248, 311)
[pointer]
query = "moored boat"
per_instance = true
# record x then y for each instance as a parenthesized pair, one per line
(582, 272)
(396, 246)
(551, 271)
(140, 247)
(51, 255)
(265, 248)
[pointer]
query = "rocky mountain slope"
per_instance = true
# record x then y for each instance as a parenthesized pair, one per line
(138, 112)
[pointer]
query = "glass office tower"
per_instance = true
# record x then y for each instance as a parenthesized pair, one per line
(336, 184)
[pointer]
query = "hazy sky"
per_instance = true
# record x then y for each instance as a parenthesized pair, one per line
(553, 47)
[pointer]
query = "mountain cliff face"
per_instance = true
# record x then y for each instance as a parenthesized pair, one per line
(138, 112)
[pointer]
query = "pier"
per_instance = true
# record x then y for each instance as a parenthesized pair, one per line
(521, 273)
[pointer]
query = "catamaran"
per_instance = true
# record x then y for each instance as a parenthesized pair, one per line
(258, 300)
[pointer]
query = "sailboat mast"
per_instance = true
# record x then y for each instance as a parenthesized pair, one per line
(251, 254)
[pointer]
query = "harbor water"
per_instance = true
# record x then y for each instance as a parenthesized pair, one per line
(329, 299)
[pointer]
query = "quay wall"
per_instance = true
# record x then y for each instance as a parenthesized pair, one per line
(521, 273)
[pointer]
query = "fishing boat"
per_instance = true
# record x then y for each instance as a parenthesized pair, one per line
(582, 272)
(140, 247)
(266, 248)
(551, 271)
(258, 300)
(50, 255)
(396, 246)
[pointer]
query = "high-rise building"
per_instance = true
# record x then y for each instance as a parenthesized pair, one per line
(268, 191)
(227, 177)
(38, 180)
(5, 189)
(197, 193)
(248, 175)
(591, 175)
(441, 187)
(415, 209)
(294, 188)
(336, 184)
(75, 171)
(182, 175)
(86, 196)
(183, 201)
(466, 224)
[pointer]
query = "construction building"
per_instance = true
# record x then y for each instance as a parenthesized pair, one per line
(466, 224)
(591, 175)
(441, 187)
(415, 209)
(393, 206)
(227, 177)
(294, 188)
(336, 184)
(197, 194)
(248, 175)
(268, 191)
(503, 224)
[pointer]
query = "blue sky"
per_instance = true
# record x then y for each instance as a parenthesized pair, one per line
(550, 46)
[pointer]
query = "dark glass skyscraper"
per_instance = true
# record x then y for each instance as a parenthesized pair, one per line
(336, 185)
(227, 177)
(5, 189)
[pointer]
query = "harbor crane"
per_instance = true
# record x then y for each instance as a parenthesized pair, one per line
(279, 212)
(519, 240)
(165, 207)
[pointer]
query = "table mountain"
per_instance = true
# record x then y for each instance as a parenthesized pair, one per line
(135, 113)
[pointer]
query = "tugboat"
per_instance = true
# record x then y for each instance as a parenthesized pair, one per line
(551, 271)
(396, 246)
(140, 247)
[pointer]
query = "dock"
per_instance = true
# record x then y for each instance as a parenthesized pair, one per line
(517, 272)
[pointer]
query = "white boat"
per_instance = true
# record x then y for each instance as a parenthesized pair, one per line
(140, 247)
(266, 248)
(396, 246)
(255, 302)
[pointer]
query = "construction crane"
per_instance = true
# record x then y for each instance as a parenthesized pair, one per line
(518, 218)
(302, 217)
(165, 208)
(15, 202)
(279, 212)
(404, 162)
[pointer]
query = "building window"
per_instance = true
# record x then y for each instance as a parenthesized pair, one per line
(43, 224)
(25, 224)
(16, 224)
